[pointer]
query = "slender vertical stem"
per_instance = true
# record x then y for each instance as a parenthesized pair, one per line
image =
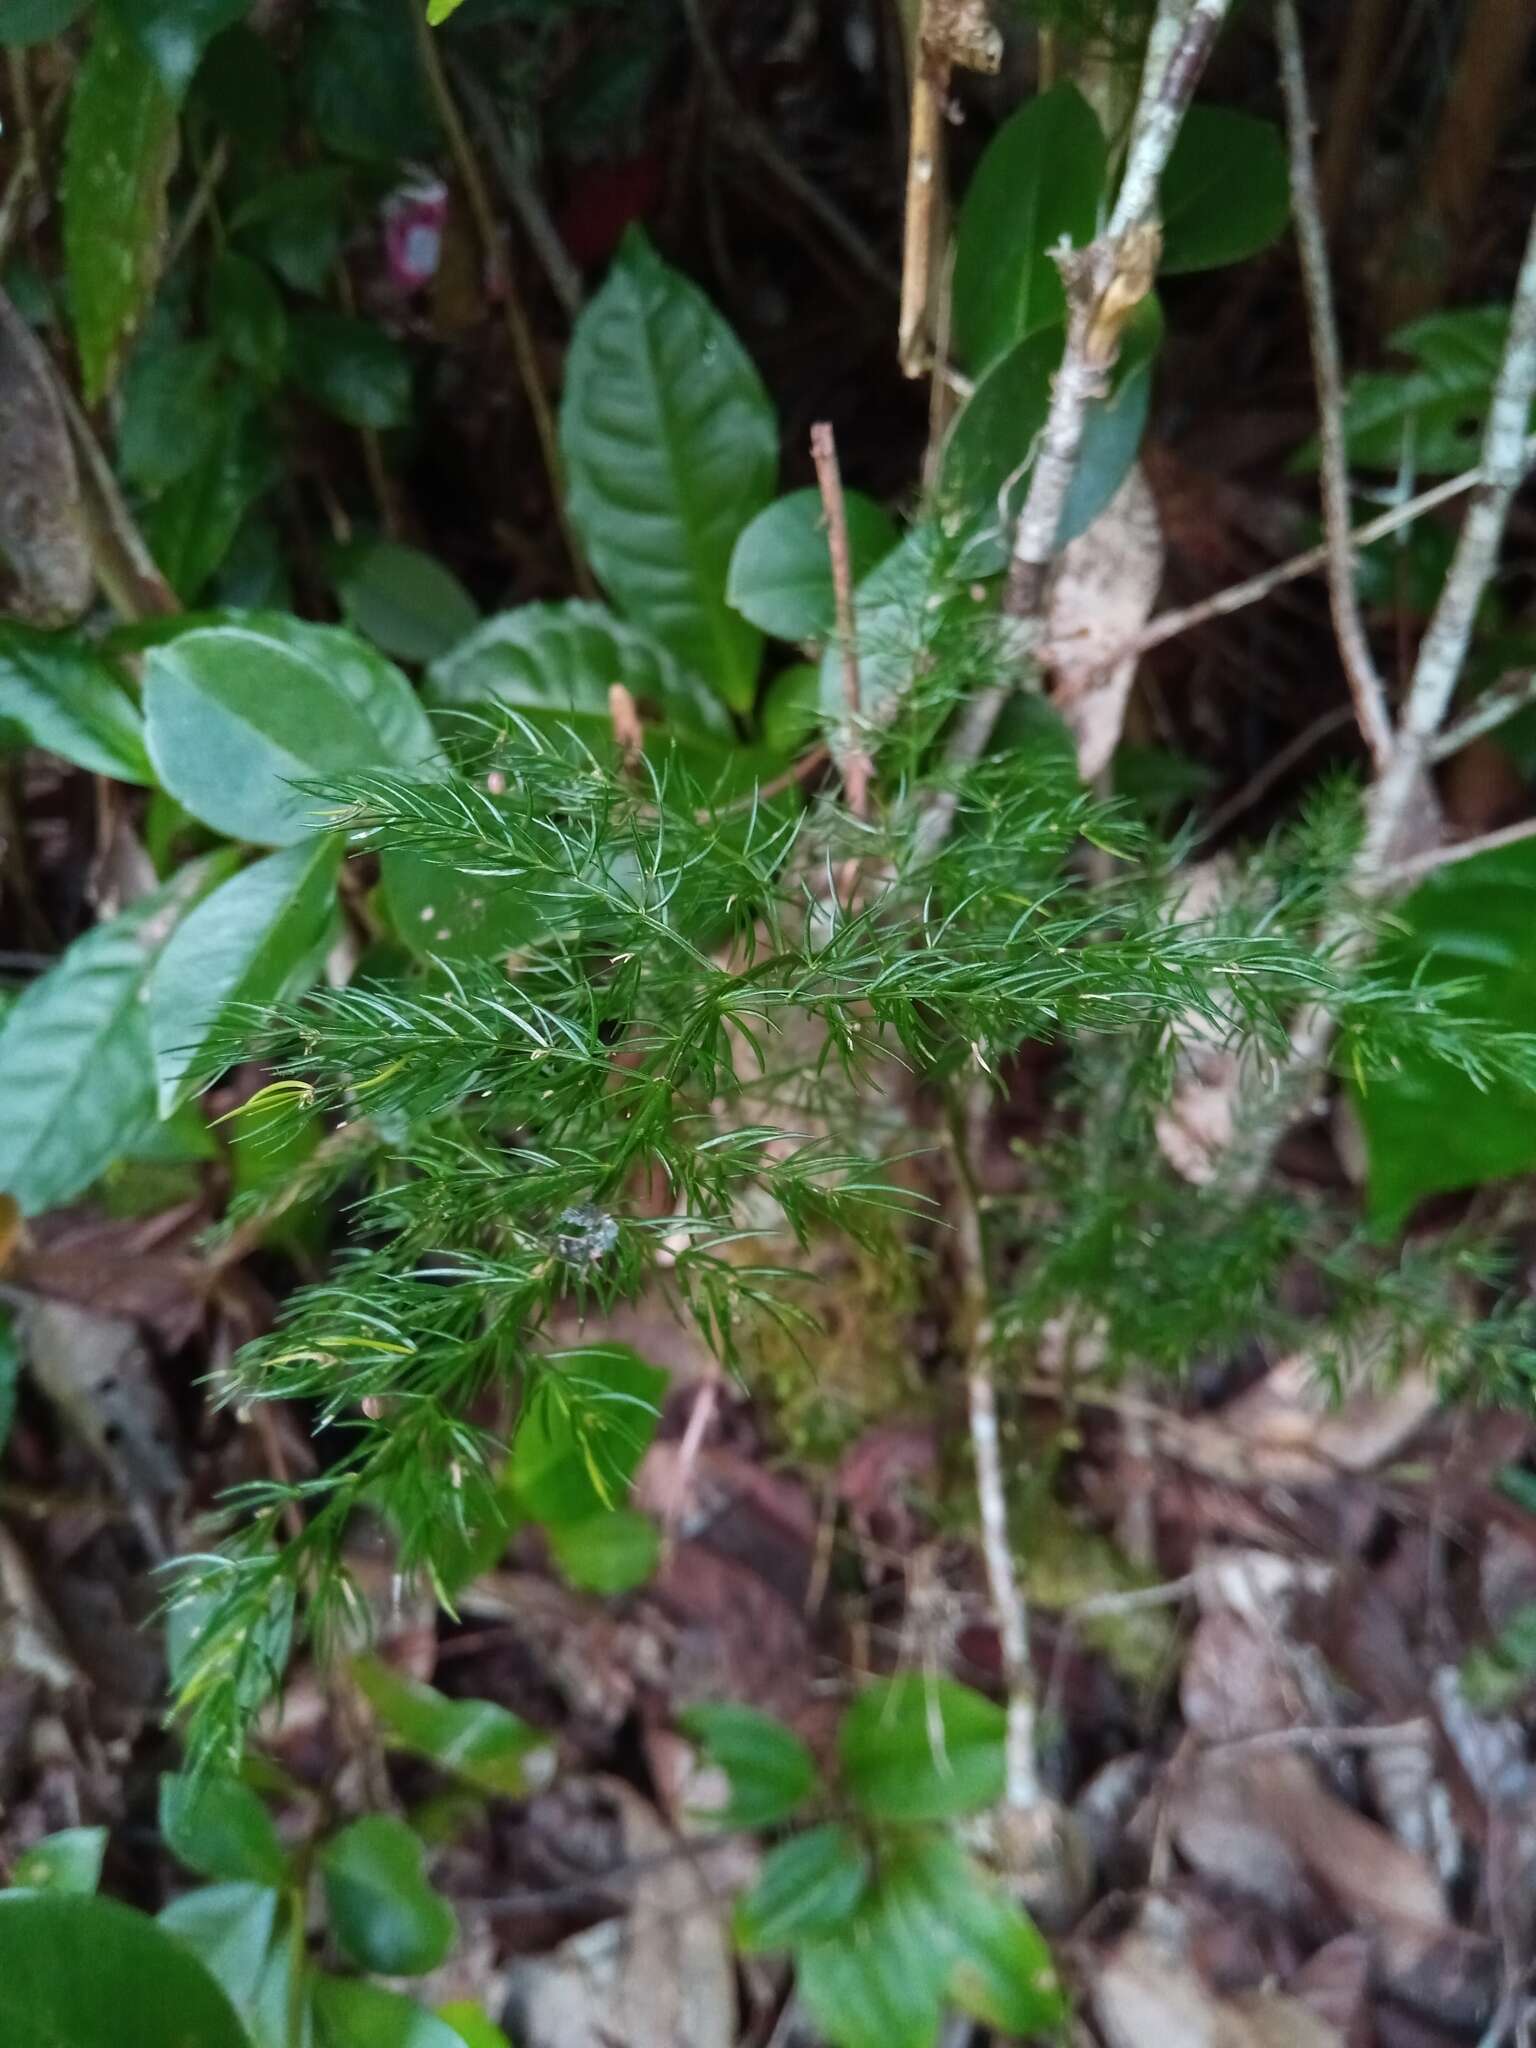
(856, 764)
(1365, 684)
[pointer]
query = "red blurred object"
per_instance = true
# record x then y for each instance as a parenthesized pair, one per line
(602, 201)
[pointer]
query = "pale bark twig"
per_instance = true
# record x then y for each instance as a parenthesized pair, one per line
(856, 765)
(1365, 685)
(1509, 695)
(1414, 870)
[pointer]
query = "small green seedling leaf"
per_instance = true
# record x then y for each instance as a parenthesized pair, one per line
(771, 1772)
(1040, 179)
(807, 1889)
(879, 1980)
(384, 1913)
(229, 1928)
(590, 1419)
(609, 1553)
(474, 1739)
(916, 1748)
(670, 447)
(353, 2015)
(69, 1861)
(219, 1828)
(90, 1973)
(1002, 1971)
(781, 573)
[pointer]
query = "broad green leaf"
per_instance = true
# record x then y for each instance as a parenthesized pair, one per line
(554, 664)
(36, 21)
(10, 1373)
(879, 1981)
(807, 1888)
(229, 1928)
(466, 2020)
(402, 600)
(240, 84)
(916, 1748)
(119, 149)
(610, 1553)
(239, 711)
(771, 1772)
(362, 85)
(246, 316)
(589, 1420)
(1226, 193)
(63, 696)
(76, 1073)
(256, 939)
(912, 602)
(295, 222)
(443, 915)
(168, 405)
(474, 1739)
(219, 1828)
(193, 523)
(384, 1913)
(69, 1861)
(1428, 1128)
(174, 33)
(670, 447)
(353, 2015)
(1041, 178)
(781, 573)
(351, 368)
(90, 1973)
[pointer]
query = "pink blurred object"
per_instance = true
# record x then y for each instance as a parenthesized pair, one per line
(414, 215)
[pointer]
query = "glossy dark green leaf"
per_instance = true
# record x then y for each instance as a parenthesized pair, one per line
(770, 1770)
(119, 149)
(255, 940)
(194, 522)
(1429, 417)
(474, 1739)
(781, 573)
(239, 711)
(609, 1553)
(351, 368)
(1226, 193)
(589, 1421)
(404, 601)
(35, 21)
(62, 695)
(1428, 1127)
(245, 314)
(141, 1989)
(362, 86)
(76, 1072)
(1041, 178)
(554, 664)
(916, 1748)
(384, 1913)
(167, 424)
(670, 447)
(69, 1861)
(353, 2015)
(229, 1928)
(219, 1828)
(174, 33)
(807, 1889)
(295, 223)
(241, 86)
